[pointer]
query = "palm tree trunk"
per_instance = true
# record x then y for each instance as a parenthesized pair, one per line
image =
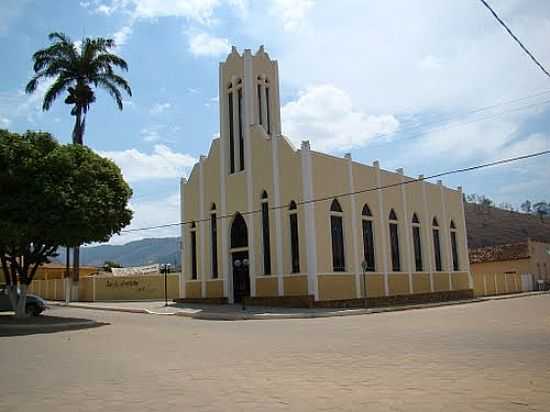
(78, 138)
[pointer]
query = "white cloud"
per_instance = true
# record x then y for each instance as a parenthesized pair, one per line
(291, 12)
(159, 108)
(155, 211)
(121, 36)
(325, 116)
(162, 163)
(4, 121)
(203, 44)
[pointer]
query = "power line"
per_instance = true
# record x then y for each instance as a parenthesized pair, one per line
(370, 189)
(515, 38)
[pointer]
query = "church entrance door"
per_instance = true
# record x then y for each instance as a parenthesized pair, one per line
(241, 278)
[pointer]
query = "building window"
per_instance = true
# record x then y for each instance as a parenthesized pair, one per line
(337, 235)
(294, 246)
(214, 240)
(231, 136)
(368, 239)
(260, 103)
(193, 251)
(437, 245)
(241, 137)
(265, 234)
(394, 242)
(417, 243)
(239, 232)
(267, 110)
(454, 247)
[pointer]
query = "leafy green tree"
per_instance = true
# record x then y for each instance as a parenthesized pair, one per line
(542, 209)
(75, 70)
(108, 265)
(53, 195)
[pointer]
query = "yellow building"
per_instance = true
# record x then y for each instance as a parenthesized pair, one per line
(266, 219)
(510, 268)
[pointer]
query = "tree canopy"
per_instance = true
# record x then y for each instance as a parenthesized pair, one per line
(54, 195)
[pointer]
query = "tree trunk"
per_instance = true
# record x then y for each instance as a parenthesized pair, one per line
(18, 300)
(78, 138)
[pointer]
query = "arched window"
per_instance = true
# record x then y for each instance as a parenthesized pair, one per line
(265, 234)
(193, 235)
(214, 240)
(417, 243)
(241, 135)
(337, 235)
(239, 233)
(368, 239)
(454, 247)
(231, 134)
(394, 242)
(437, 245)
(294, 246)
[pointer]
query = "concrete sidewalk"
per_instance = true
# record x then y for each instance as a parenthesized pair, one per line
(236, 312)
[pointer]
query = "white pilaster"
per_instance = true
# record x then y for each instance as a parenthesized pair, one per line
(224, 160)
(448, 259)
(183, 235)
(278, 211)
(248, 87)
(275, 102)
(202, 228)
(408, 229)
(465, 255)
(383, 227)
(427, 225)
(309, 216)
(356, 263)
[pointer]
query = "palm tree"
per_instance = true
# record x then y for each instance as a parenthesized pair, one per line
(76, 68)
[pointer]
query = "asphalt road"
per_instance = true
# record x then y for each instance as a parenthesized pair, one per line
(490, 356)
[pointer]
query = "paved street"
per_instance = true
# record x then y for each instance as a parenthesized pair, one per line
(489, 356)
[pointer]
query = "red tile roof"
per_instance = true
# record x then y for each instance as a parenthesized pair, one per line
(510, 251)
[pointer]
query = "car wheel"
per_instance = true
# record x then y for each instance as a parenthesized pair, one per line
(33, 310)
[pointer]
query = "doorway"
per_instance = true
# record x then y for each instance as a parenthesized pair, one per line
(239, 258)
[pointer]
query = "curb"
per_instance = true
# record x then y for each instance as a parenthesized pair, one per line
(48, 326)
(235, 316)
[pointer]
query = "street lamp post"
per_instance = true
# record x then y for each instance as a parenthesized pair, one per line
(165, 268)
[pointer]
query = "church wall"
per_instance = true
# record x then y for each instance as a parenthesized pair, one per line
(266, 285)
(375, 285)
(295, 285)
(211, 170)
(336, 287)
(290, 181)
(214, 288)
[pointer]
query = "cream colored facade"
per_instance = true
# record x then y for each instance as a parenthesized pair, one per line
(276, 173)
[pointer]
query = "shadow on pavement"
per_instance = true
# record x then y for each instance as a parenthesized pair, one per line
(9, 326)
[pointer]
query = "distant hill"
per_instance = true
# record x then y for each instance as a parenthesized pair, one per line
(488, 226)
(137, 253)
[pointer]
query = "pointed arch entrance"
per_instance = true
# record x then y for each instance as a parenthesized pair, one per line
(239, 258)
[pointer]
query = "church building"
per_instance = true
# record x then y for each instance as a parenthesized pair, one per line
(264, 219)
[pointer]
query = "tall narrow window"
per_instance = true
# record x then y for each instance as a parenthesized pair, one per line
(417, 243)
(437, 246)
(454, 247)
(267, 110)
(337, 236)
(294, 246)
(394, 242)
(193, 251)
(214, 240)
(368, 239)
(241, 137)
(231, 136)
(260, 103)
(265, 234)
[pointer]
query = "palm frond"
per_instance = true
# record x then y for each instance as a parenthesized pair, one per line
(116, 80)
(54, 91)
(111, 89)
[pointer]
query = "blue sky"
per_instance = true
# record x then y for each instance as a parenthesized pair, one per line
(395, 81)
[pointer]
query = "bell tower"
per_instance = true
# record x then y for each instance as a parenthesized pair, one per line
(249, 96)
